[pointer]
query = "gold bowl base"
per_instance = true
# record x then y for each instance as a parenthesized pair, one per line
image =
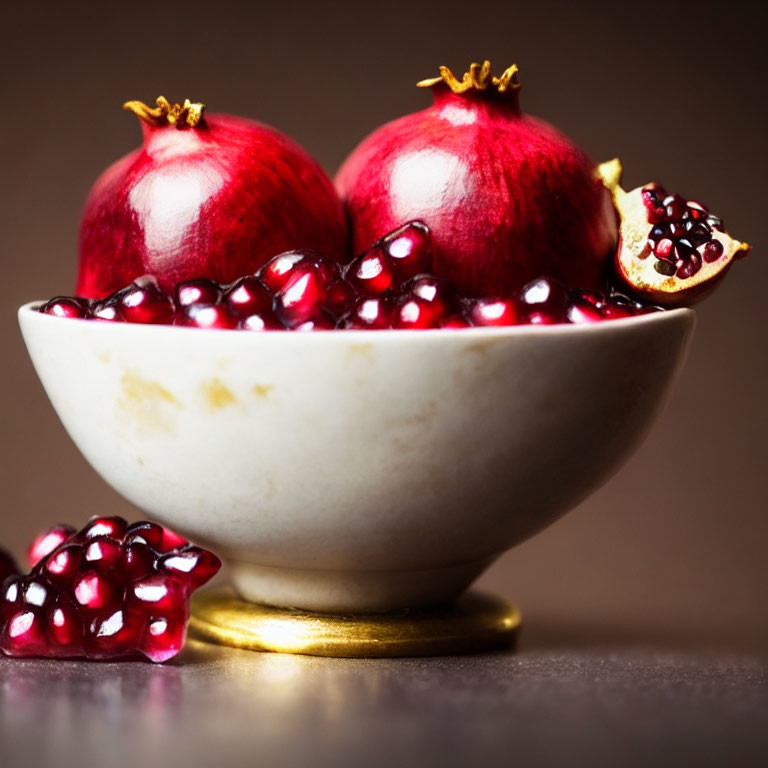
(475, 622)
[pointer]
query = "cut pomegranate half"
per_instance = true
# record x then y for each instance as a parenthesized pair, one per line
(671, 251)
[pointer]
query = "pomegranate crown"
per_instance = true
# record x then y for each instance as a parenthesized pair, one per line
(186, 115)
(478, 78)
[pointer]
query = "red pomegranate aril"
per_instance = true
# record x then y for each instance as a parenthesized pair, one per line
(157, 593)
(36, 593)
(689, 267)
(712, 251)
(371, 274)
(115, 527)
(24, 634)
(144, 302)
(415, 313)
(663, 249)
(492, 312)
(207, 317)
(97, 592)
(65, 628)
(543, 317)
(7, 566)
(369, 313)
(597, 300)
(46, 542)
(118, 634)
(581, 311)
(103, 552)
(164, 637)
(409, 249)
(301, 298)
(65, 306)
(277, 271)
(200, 291)
(64, 564)
(137, 560)
(543, 296)
(194, 564)
(161, 539)
(264, 322)
(248, 296)
(105, 312)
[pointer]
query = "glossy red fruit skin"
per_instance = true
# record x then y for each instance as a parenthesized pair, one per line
(216, 200)
(493, 312)
(65, 306)
(506, 197)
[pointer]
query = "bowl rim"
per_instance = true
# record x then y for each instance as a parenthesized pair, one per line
(28, 311)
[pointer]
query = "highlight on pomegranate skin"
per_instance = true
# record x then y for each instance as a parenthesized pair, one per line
(391, 285)
(507, 197)
(672, 251)
(107, 591)
(206, 195)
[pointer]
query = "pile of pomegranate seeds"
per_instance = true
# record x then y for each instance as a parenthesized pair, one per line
(107, 591)
(391, 285)
(682, 233)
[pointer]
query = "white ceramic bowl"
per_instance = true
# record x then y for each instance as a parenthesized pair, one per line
(357, 470)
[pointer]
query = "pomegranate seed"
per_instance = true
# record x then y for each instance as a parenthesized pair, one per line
(544, 296)
(689, 267)
(65, 628)
(65, 306)
(712, 251)
(193, 564)
(64, 564)
(263, 322)
(544, 318)
(103, 552)
(200, 291)
(138, 560)
(596, 299)
(248, 296)
(24, 634)
(301, 298)
(493, 312)
(164, 637)
(409, 249)
(118, 634)
(369, 313)
(371, 274)
(97, 592)
(161, 539)
(277, 271)
(206, 316)
(663, 248)
(582, 312)
(438, 297)
(417, 314)
(46, 542)
(144, 302)
(158, 593)
(115, 527)
(105, 311)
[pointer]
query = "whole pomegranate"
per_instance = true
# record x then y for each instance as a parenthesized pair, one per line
(507, 197)
(211, 196)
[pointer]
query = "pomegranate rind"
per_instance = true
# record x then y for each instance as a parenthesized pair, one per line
(634, 261)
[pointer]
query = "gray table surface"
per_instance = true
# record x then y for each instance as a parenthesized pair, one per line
(541, 705)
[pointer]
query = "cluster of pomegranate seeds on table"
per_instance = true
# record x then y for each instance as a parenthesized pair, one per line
(108, 591)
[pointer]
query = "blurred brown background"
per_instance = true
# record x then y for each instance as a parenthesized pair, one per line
(673, 549)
